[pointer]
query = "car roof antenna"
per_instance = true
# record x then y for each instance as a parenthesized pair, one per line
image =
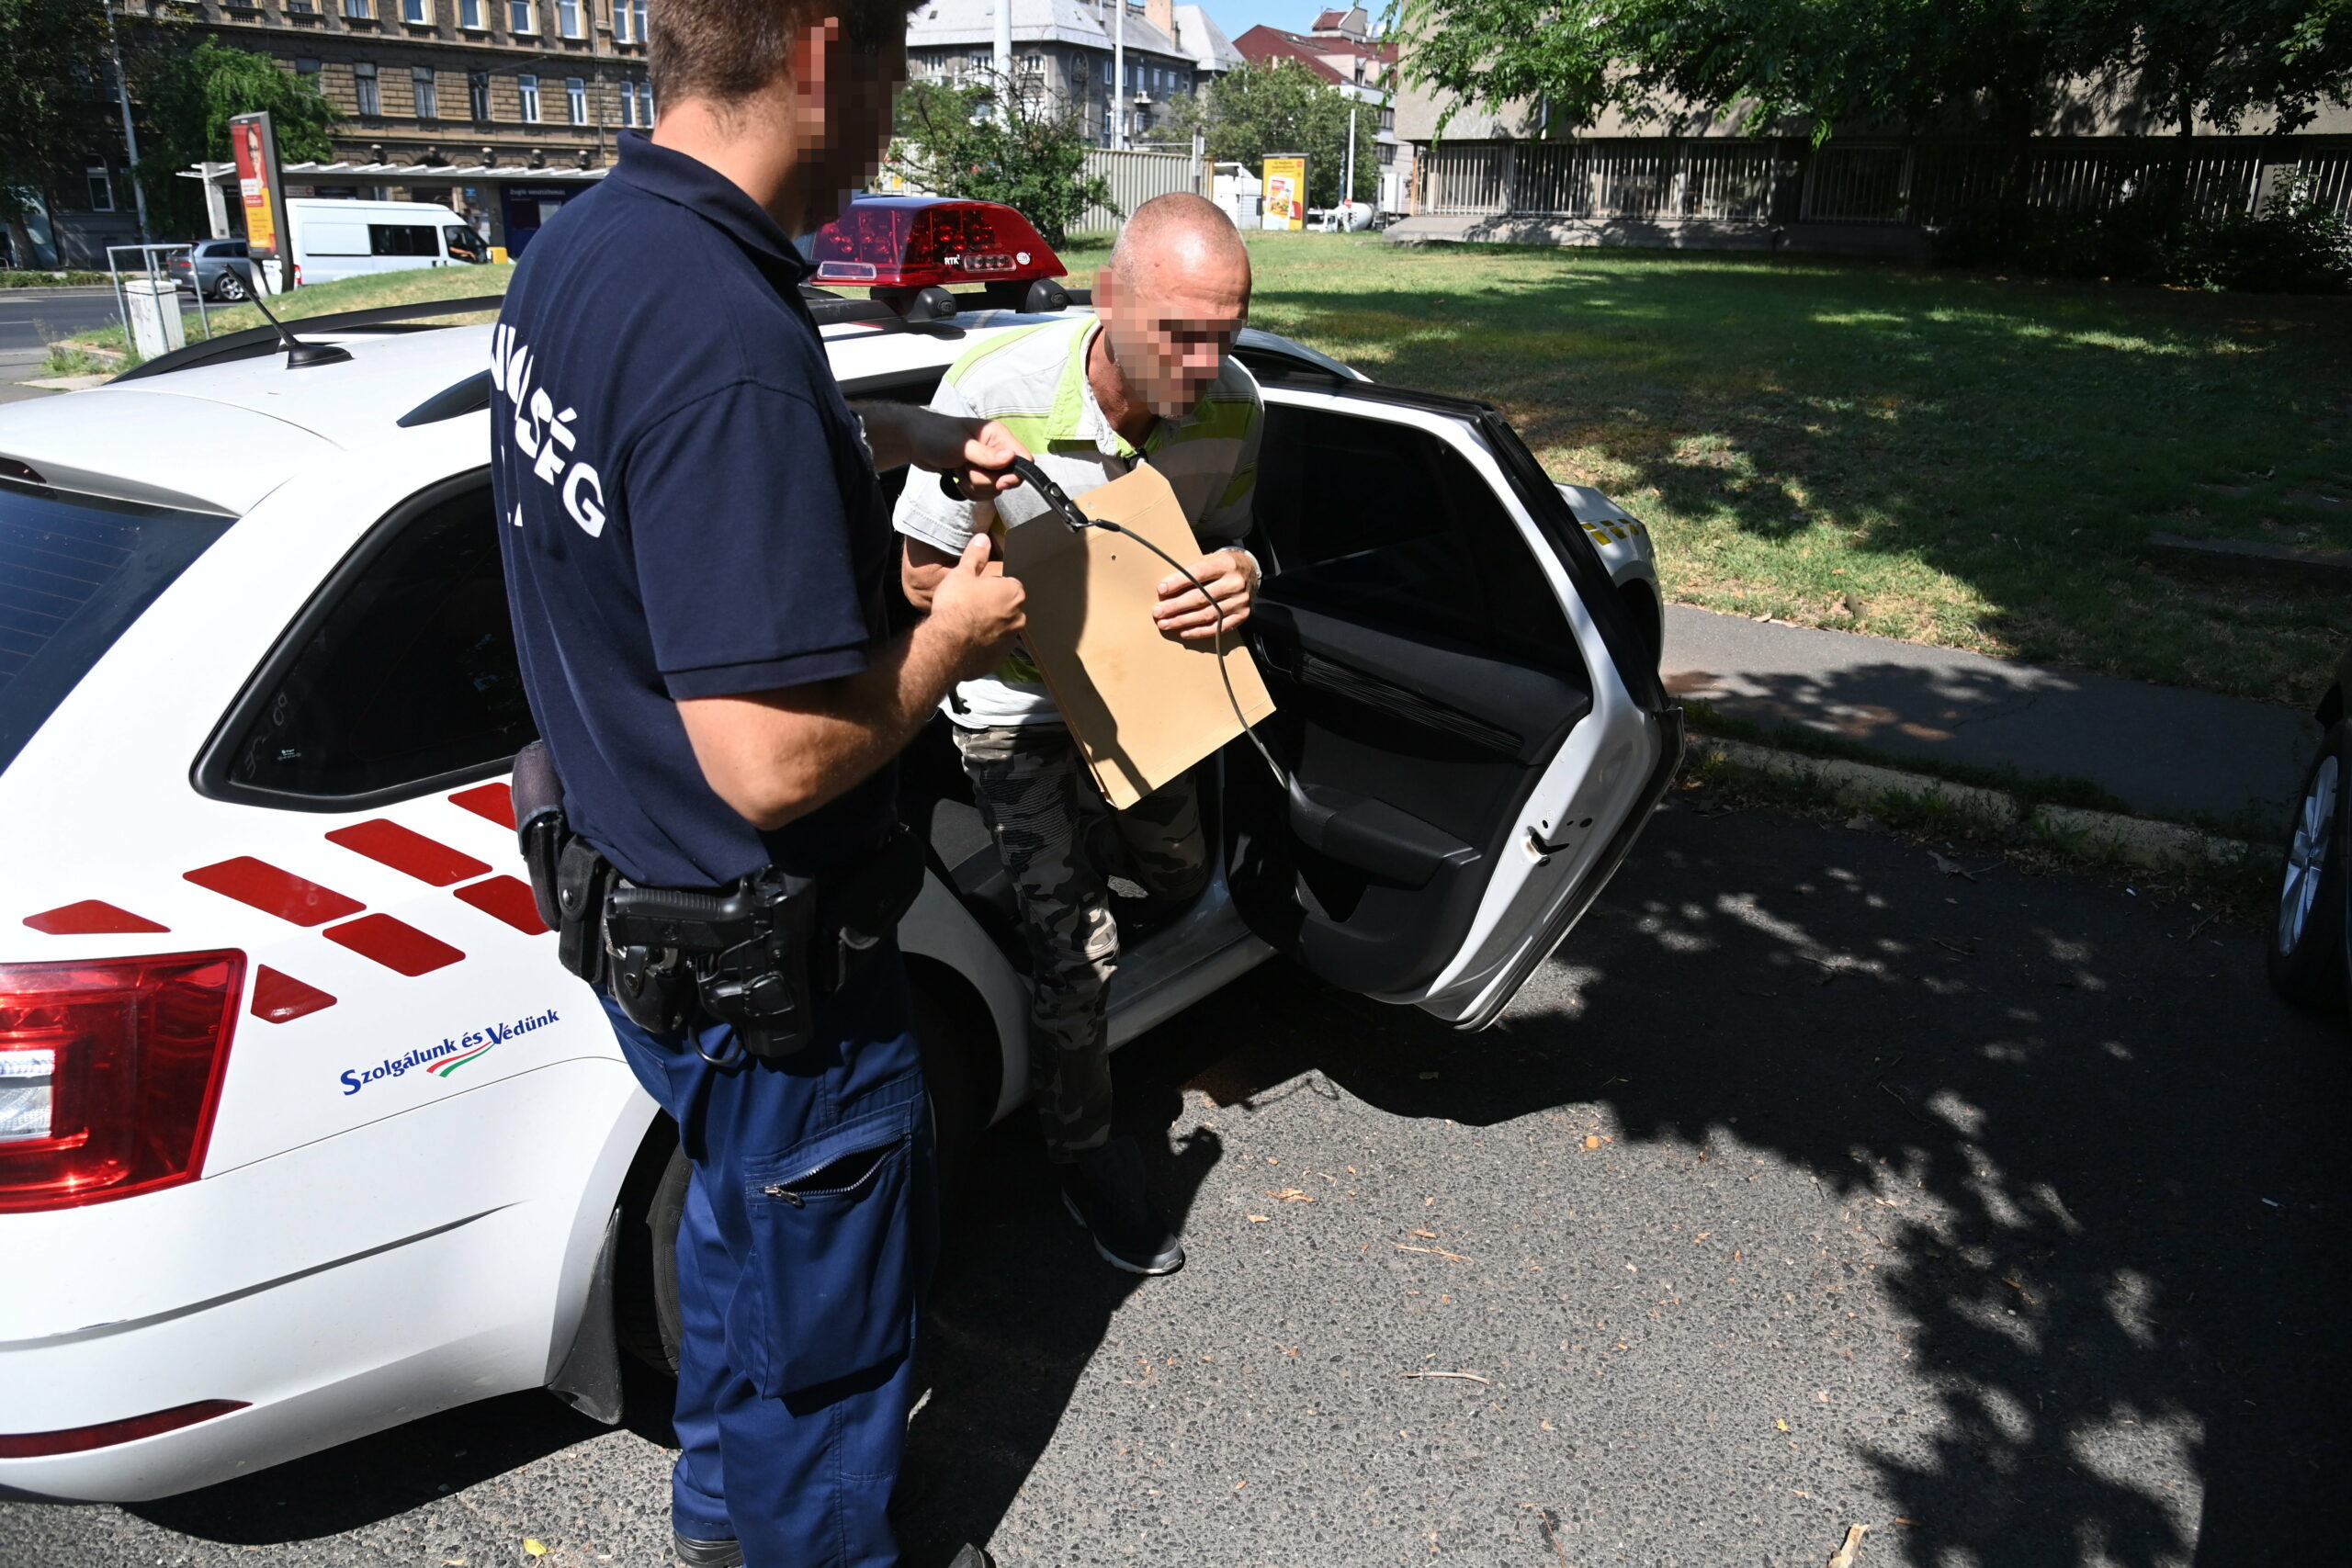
(300, 355)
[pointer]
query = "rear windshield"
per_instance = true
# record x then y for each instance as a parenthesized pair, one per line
(74, 572)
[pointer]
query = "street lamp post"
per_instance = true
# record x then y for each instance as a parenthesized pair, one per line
(129, 135)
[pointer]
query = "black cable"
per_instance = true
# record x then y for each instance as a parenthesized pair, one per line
(1058, 502)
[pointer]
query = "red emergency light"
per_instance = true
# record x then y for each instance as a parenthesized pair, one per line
(896, 245)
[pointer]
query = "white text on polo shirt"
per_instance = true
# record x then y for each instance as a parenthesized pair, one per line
(541, 433)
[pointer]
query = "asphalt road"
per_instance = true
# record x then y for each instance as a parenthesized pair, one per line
(1809, 1187)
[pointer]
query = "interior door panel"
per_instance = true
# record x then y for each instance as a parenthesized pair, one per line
(1424, 676)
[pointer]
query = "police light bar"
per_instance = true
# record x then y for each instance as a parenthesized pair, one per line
(897, 246)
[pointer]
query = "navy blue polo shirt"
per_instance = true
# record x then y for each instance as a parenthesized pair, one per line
(688, 507)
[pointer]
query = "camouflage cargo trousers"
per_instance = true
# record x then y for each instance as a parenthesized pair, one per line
(1060, 841)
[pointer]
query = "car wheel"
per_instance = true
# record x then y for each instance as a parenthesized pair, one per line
(230, 288)
(2307, 938)
(958, 1056)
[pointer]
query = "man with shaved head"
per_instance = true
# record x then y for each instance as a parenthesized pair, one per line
(1149, 379)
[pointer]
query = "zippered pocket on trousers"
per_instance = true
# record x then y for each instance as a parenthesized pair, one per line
(830, 1288)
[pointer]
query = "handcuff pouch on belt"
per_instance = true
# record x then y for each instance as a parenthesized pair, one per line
(756, 955)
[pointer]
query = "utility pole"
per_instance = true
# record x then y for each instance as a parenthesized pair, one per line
(130, 136)
(1003, 61)
(1119, 74)
(1348, 179)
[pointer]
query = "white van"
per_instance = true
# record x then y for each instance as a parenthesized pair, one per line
(344, 239)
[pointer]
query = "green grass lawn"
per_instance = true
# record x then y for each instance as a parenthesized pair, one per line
(1951, 458)
(350, 294)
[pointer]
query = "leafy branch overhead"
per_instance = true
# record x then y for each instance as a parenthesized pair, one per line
(2009, 68)
(1031, 155)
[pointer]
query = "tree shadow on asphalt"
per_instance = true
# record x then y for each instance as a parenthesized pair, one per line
(2085, 1114)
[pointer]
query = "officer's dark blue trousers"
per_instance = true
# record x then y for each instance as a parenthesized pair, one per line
(807, 1238)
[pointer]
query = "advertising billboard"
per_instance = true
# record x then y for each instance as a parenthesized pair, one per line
(263, 192)
(1285, 197)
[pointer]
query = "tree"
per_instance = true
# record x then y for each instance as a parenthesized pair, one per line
(2004, 67)
(55, 91)
(1257, 110)
(189, 97)
(1031, 156)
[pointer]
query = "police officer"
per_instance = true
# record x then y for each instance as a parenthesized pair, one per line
(697, 554)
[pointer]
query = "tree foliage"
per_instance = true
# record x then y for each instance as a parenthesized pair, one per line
(2005, 67)
(55, 87)
(189, 97)
(1031, 155)
(1257, 110)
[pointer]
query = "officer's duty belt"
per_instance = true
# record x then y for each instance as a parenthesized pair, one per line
(754, 954)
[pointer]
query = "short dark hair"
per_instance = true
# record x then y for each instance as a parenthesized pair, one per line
(727, 50)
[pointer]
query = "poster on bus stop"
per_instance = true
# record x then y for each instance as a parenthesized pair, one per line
(263, 192)
(1286, 204)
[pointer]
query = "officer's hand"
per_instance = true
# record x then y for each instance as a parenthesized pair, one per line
(975, 453)
(977, 608)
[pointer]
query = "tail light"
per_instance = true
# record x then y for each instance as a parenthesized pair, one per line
(924, 242)
(110, 1073)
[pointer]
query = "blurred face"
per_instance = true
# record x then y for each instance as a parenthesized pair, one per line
(841, 90)
(1170, 325)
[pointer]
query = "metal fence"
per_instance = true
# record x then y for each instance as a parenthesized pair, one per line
(1659, 179)
(1136, 179)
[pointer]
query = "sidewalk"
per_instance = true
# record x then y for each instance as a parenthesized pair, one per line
(2167, 752)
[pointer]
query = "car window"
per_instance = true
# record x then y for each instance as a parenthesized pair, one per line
(465, 243)
(406, 675)
(1389, 525)
(74, 572)
(402, 239)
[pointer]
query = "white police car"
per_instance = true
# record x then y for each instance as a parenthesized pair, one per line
(304, 1133)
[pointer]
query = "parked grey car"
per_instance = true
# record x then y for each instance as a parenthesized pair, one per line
(218, 267)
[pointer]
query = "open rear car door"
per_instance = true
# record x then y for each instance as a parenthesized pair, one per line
(1476, 721)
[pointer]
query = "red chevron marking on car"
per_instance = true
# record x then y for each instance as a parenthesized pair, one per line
(281, 998)
(405, 850)
(507, 898)
(91, 917)
(495, 801)
(395, 945)
(274, 892)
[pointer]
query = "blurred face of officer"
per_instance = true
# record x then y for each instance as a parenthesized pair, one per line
(845, 75)
(792, 97)
(1170, 311)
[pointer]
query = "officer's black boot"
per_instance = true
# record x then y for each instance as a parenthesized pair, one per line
(708, 1553)
(1103, 1190)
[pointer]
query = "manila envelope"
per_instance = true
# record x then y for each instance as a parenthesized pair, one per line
(1142, 708)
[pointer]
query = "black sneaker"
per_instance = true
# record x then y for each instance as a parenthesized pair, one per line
(708, 1553)
(1102, 1189)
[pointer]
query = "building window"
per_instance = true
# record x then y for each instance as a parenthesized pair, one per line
(101, 189)
(629, 20)
(645, 104)
(567, 17)
(359, 10)
(522, 16)
(428, 94)
(470, 17)
(575, 99)
(417, 13)
(527, 88)
(299, 8)
(363, 83)
(478, 95)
